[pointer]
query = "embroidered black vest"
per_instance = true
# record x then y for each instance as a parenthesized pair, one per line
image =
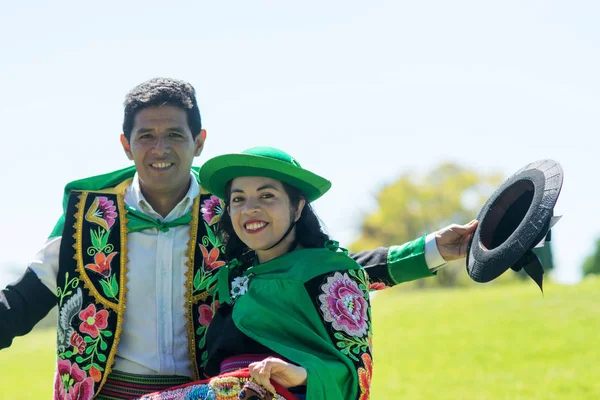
(92, 277)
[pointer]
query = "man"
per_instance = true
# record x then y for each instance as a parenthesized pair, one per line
(131, 261)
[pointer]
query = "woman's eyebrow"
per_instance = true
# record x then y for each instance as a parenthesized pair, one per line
(267, 186)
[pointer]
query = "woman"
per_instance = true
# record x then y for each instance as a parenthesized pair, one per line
(291, 300)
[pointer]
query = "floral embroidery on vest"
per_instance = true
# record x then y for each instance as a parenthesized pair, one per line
(91, 287)
(71, 382)
(202, 268)
(90, 293)
(212, 210)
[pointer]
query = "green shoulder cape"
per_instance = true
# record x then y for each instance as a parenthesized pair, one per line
(277, 312)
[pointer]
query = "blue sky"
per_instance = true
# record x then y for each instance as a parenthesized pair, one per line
(360, 92)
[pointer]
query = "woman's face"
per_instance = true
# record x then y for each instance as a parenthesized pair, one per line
(261, 214)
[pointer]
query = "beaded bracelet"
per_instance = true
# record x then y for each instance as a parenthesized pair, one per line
(261, 391)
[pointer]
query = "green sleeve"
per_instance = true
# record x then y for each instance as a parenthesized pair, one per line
(58, 228)
(97, 182)
(407, 262)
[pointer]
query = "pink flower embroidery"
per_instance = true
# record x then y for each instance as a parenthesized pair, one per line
(206, 314)
(71, 382)
(212, 210)
(344, 305)
(102, 212)
(210, 259)
(92, 320)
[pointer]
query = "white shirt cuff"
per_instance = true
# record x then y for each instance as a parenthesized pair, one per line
(45, 264)
(4, 301)
(433, 258)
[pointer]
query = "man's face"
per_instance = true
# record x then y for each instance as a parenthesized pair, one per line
(162, 148)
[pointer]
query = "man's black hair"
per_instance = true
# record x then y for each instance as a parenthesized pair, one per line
(161, 92)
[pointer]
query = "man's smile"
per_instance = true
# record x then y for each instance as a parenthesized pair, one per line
(161, 165)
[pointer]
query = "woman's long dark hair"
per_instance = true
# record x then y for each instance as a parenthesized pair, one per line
(309, 233)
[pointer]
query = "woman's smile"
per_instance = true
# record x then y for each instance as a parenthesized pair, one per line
(254, 226)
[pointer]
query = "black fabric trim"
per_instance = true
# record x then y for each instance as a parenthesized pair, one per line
(375, 264)
(371, 258)
(30, 301)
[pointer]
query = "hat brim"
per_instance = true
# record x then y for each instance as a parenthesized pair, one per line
(514, 219)
(218, 171)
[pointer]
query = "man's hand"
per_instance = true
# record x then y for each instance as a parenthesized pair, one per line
(452, 241)
(286, 374)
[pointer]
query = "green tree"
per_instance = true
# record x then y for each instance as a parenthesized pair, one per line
(591, 265)
(413, 206)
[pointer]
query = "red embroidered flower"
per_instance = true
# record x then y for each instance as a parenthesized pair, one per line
(206, 314)
(210, 259)
(102, 263)
(71, 382)
(95, 374)
(77, 342)
(364, 376)
(377, 286)
(92, 320)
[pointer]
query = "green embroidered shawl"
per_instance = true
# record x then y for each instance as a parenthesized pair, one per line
(277, 312)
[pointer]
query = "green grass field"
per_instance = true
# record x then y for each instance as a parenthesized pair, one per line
(489, 342)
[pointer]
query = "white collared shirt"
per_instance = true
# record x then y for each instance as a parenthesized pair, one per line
(154, 338)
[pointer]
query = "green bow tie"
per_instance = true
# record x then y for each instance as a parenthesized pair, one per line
(139, 221)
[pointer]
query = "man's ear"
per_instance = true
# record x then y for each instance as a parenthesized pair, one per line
(126, 146)
(299, 209)
(199, 142)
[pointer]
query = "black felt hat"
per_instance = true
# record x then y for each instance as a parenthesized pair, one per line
(516, 218)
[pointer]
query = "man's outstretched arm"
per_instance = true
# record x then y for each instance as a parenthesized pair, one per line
(416, 259)
(22, 305)
(25, 302)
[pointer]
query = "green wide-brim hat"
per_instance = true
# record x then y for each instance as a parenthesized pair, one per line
(261, 161)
